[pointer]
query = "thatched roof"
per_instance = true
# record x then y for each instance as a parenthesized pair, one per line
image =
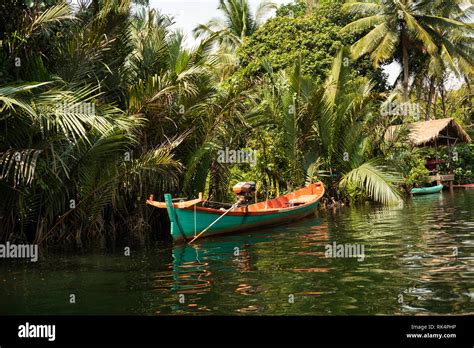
(431, 133)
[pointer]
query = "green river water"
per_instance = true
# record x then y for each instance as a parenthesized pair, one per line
(418, 259)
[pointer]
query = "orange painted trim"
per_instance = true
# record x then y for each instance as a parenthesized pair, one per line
(272, 206)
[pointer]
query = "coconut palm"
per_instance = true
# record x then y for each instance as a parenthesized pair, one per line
(455, 58)
(238, 22)
(404, 25)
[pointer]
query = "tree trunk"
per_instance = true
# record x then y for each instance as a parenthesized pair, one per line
(430, 97)
(469, 101)
(443, 98)
(405, 63)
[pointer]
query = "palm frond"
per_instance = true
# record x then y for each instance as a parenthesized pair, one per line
(263, 8)
(17, 166)
(385, 49)
(370, 41)
(356, 7)
(420, 33)
(364, 24)
(376, 181)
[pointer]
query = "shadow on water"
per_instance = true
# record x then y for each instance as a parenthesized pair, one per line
(418, 259)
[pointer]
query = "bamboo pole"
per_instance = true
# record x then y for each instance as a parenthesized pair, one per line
(214, 222)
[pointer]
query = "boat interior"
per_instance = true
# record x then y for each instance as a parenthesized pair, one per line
(299, 197)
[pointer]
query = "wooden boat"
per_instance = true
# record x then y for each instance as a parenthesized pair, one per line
(426, 190)
(190, 218)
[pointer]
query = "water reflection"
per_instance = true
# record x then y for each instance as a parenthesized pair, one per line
(412, 251)
(423, 251)
(190, 274)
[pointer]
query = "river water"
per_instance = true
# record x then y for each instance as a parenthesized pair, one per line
(418, 259)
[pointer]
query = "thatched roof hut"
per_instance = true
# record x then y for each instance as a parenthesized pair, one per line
(445, 131)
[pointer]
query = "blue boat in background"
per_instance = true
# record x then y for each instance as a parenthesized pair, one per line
(427, 190)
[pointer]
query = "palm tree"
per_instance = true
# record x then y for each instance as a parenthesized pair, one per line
(401, 25)
(344, 127)
(291, 106)
(455, 57)
(90, 165)
(223, 119)
(238, 22)
(57, 154)
(326, 130)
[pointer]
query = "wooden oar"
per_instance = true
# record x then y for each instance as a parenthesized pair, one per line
(212, 224)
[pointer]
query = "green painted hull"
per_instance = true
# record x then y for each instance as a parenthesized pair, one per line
(187, 222)
(426, 190)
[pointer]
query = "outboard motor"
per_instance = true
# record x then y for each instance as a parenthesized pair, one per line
(244, 192)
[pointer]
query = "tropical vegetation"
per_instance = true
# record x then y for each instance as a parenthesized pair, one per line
(102, 103)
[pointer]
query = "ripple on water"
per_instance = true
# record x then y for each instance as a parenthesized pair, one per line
(423, 251)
